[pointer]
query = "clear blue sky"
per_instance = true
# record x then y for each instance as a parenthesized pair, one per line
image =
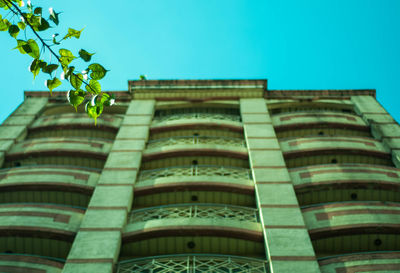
(295, 44)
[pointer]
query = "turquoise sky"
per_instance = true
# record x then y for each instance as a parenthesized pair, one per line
(298, 44)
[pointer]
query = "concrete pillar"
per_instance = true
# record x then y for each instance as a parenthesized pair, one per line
(383, 126)
(14, 128)
(288, 244)
(97, 245)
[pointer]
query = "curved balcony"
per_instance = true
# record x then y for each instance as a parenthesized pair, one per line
(38, 229)
(307, 151)
(345, 182)
(195, 146)
(203, 183)
(302, 124)
(199, 228)
(75, 125)
(193, 263)
(194, 120)
(30, 263)
(309, 105)
(362, 262)
(47, 184)
(198, 211)
(84, 152)
(349, 227)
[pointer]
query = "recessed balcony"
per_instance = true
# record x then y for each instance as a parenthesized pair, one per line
(48, 184)
(193, 263)
(38, 229)
(388, 261)
(278, 106)
(345, 182)
(302, 124)
(348, 227)
(194, 183)
(195, 146)
(75, 125)
(307, 151)
(84, 152)
(222, 121)
(200, 228)
(30, 264)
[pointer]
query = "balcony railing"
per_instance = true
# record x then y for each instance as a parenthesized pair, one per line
(196, 170)
(195, 263)
(235, 142)
(200, 211)
(180, 116)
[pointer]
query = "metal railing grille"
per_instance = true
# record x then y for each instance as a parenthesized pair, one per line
(202, 211)
(162, 142)
(194, 264)
(180, 116)
(196, 170)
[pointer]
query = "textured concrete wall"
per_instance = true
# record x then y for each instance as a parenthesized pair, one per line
(288, 245)
(14, 128)
(383, 126)
(97, 244)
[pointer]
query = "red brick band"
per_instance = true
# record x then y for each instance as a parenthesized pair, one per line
(293, 258)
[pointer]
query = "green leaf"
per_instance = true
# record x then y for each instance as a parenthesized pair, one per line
(76, 80)
(107, 99)
(38, 11)
(21, 25)
(49, 68)
(51, 84)
(73, 33)
(142, 77)
(94, 87)
(76, 97)
(97, 71)
(37, 22)
(54, 16)
(13, 30)
(4, 24)
(94, 108)
(68, 71)
(66, 57)
(86, 56)
(32, 49)
(44, 24)
(20, 43)
(35, 67)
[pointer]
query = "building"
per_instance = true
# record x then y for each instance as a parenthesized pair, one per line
(202, 176)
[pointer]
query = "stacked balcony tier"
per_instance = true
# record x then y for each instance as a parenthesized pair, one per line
(75, 125)
(307, 151)
(362, 262)
(38, 229)
(189, 228)
(84, 152)
(48, 184)
(351, 227)
(300, 124)
(194, 196)
(345, 182)
(30, 263)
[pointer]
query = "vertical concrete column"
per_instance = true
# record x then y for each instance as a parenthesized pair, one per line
(383, 126)
(97, 245)
(14, 128)
(288, 244)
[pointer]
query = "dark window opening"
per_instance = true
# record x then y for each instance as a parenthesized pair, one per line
(191, 245)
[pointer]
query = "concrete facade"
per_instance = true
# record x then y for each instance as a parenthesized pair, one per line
(201, 176)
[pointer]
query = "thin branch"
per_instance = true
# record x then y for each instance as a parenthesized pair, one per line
(42, 40)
